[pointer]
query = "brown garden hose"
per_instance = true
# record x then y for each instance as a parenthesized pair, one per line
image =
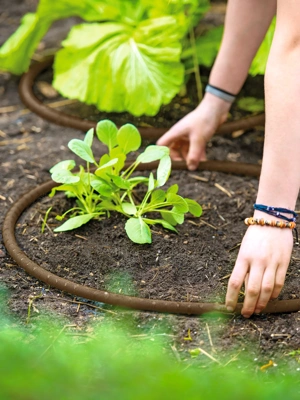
(65, 285)
(60, 118)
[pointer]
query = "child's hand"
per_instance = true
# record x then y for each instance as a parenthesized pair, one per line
(261, 264)
(187, 139)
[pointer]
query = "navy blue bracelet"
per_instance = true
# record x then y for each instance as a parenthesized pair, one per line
(276, 212)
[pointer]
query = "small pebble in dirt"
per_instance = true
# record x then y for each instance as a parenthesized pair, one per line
(2, 253)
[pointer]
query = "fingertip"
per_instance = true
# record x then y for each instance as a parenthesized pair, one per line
(192, 166)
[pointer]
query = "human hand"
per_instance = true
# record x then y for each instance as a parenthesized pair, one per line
(188, 137)
(261, 264)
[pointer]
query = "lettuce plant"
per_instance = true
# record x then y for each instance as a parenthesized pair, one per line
(126, 58)
(110, 186)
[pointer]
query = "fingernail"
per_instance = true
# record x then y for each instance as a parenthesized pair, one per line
(192, 167)
(230, 309)
(257, 311)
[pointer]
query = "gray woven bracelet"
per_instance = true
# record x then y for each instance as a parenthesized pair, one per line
(222, 94)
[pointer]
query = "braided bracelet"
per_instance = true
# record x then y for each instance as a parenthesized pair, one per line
(276, 212)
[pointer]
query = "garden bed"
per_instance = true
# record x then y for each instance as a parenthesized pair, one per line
(193, 265)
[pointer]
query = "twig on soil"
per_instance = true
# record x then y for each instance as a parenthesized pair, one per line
(175, 351)
(209, 355)
(81, 237)
(16, 141)
(2, 134)
(225, 277)
(8, 109)
(210, 340)
(31, 299)
(203, 222)
(55, 104)
(235, 247)
(199, 178)
(218, 186)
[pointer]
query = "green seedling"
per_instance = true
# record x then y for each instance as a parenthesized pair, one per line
(44, 222)
(108, 186)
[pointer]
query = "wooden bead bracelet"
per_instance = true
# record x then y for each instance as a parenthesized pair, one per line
(262, 222)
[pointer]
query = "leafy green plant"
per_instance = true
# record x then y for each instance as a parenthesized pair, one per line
(129, 55)
(126, 58)
(111, 186)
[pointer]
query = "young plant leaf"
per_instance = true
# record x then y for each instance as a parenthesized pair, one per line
(129, 208)
(74, 222)
(101, 187)
(138, 231)
(163, 170)
(64, 176)
(106, 132)
(119, 182)
(105, 168)
(151, 182)
(162, 222)
(118, 153)
(158, 196)
(194, 208)
(173, 189)
(178, 202)
(81, 149)
(153, 153)
(89, 136)
(168, 216)
(129, 138)
(63, 165)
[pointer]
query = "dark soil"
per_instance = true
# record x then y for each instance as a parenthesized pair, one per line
(192, 265)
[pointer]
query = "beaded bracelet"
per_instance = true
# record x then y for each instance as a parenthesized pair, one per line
(262, 222)
(277, 224)
(276, 211)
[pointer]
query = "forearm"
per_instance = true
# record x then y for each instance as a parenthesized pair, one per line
(246, 24)
(280, 177)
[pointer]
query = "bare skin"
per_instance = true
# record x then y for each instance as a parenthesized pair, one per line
(245, 28)
(265, 252)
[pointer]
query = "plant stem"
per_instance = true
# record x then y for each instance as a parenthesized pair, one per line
(196, 65)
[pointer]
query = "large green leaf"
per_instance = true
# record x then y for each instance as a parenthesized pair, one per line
(16, 52)
(187, 12)
(119, 67)
(138, 231)
(259, 62)
(207, 47)
(89, 10)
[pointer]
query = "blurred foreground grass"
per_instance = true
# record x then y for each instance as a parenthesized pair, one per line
(53, 360)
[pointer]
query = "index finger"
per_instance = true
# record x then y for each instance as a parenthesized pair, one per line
(172, 134)
(235, 283)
